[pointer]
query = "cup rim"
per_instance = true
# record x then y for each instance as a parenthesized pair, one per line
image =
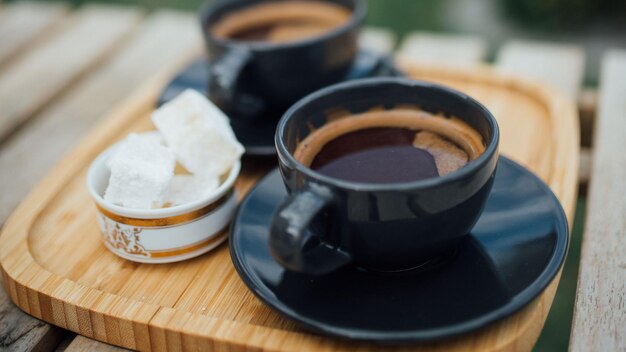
(358, 16)
(159, 212)
(471, 168)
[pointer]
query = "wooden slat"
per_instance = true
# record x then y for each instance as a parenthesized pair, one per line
(377, 39)
(20, 332)
(163, 42)
(23, 23)
(84, 344)
(559, 65)
(600, 312)
(447, 49)
(28, 85)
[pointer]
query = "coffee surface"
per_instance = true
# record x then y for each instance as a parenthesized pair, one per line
(281, 22)
(398, 145)
(378, 155)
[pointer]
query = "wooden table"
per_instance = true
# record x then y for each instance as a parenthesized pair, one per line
(62, 70)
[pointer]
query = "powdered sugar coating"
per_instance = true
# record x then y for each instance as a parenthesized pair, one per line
(141, 169)
(199, 133)
(189, 188)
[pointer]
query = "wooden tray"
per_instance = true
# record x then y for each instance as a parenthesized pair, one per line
(56, 268)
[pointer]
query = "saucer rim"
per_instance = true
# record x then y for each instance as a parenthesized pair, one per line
(514, 305)
(269, 149)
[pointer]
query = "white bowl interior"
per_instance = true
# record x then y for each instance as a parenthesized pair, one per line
(101, 173)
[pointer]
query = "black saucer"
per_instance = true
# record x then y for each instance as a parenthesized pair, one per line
(257, 136)
(513, 253)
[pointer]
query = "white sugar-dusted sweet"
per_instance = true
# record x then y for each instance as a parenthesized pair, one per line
(151, 137)
(189, 188)
(141, 170)
(199, 133)
(138, 139)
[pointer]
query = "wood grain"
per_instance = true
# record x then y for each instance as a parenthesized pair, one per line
(21, 332)
(600, 312)
(24, 23)
(559, 65)
(56, 268)
(84, 344)
(28, 85)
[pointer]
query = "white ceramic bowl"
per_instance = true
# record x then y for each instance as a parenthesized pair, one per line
(162, 235)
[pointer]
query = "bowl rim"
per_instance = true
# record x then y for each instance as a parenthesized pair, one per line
(101, 159)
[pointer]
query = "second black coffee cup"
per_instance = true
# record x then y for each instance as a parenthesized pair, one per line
(248, 77)
(327, 222)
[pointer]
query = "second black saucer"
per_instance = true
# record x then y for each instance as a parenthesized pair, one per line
(257, 134)
(510, 256)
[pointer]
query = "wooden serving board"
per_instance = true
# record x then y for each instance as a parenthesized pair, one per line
(56, 268)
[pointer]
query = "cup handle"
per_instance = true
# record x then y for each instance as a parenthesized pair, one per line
(225, 73)
(292, 241)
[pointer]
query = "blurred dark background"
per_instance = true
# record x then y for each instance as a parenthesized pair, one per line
(596, 25)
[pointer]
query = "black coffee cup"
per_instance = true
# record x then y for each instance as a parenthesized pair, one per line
(261, 78)
(326, 223)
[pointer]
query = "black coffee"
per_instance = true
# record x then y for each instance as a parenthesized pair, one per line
(390, 146)
(281, 21)
(281, 31)
(375, 155)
